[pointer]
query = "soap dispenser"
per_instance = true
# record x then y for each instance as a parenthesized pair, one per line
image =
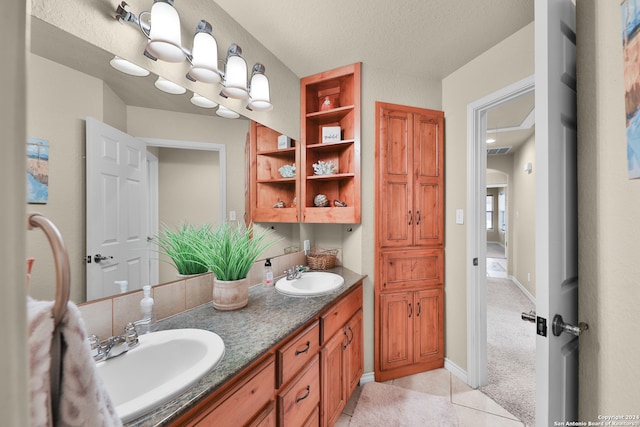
(147, 311)
(268, 273)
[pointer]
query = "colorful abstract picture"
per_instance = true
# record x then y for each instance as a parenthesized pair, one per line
(37, 170)
(631, 51)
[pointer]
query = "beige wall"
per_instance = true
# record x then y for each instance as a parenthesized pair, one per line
(57, 112)
(507, 62)
(523, 224)
(609, 208)
(188, 192)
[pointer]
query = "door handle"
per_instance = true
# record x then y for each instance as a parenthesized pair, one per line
(559, 327)
(410, 218)
(530, 316)
(410, 310)
(100, 258)
(418, 223)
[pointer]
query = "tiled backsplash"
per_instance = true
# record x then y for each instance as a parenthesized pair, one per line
(108, 316)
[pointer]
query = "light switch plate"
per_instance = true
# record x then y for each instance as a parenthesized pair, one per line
(459, 216)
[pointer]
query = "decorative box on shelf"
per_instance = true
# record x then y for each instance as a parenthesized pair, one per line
(331, 134)
(284, 142)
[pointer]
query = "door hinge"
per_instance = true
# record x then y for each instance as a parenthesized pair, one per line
(541, 326)
(475, 262)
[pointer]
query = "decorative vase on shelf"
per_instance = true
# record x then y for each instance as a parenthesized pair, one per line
(326, 104)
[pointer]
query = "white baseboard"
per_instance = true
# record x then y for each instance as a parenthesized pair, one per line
(523, 289)
(367, 377)
(455, 370)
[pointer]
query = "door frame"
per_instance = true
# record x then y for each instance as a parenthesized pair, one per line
(476, 232)
(154, 266)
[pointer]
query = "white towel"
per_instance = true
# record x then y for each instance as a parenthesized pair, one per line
(83, 398)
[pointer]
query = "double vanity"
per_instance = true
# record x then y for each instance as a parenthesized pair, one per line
(282, 360)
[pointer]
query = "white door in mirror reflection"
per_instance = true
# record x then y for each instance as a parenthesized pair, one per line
(117, 210)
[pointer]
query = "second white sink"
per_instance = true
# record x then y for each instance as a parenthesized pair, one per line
(311, 284)
(164, 364)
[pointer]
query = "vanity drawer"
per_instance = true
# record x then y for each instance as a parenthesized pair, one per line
(301, 397)
(245, 401)
(297, 353)
(340, 313)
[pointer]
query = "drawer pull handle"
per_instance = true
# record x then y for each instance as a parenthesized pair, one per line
(299, 352)
(298, 399)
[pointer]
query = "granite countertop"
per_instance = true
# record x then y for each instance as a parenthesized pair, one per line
(247, 333)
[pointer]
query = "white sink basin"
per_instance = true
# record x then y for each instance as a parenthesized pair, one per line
(311, 284)
(164, 364)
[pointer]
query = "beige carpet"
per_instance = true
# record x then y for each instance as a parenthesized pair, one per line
(389, 406)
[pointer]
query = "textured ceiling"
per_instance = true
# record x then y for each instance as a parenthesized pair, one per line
(427, 38)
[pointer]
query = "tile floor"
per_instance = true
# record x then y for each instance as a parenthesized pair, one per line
(473, 407)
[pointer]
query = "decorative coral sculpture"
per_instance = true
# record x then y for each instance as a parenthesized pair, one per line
(288, 171)
(324, 168)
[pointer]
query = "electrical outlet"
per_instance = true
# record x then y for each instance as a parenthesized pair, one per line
(307, 246)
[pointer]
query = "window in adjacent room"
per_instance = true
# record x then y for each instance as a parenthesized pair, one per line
(501, 209)
(489, 212)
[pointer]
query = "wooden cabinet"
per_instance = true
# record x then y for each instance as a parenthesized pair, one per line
(305, 380)
(409, 188)
(410, 165)
(249, 402)
(330, 132)
(299, 400)
(411, 329)
(267, 186)
(342, 357)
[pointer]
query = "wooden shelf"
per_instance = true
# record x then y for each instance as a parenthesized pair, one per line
(342, 88)
(334, 176)
(266, 186)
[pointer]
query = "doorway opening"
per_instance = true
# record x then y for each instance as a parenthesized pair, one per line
(483, 121)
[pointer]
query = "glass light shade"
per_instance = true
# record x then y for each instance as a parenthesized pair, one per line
(223, 111)
(128, 67)
(202, 102)
(235, 78)
(169, 87)
(259, 96)
(164, 38)
(204, 65)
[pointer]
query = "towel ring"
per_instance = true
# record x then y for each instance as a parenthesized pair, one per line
(61, 259)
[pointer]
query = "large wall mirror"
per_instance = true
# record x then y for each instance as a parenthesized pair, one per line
(70, 80)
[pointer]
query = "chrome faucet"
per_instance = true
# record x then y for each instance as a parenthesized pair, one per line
(295, 272)
(116, 345)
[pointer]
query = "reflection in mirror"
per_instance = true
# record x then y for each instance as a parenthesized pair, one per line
(69, 80)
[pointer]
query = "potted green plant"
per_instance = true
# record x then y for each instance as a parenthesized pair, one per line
(229, 255)
(182, 245)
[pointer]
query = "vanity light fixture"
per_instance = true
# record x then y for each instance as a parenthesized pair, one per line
(164, 35)
(202, 102)
(204, 56)
(223, 111)
(259, 98)
(161, 26)
(169, 86)
(127, 67)
(235, 74)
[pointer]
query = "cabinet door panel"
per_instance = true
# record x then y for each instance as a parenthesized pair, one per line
(334, 396)
(354, 352)
(396, 229)
(430, 318)
(411, 269)
(429, 215)
(396, 316)
(427, 148)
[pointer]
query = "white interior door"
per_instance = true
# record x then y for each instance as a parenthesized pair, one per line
(556, 211)
(117, 210)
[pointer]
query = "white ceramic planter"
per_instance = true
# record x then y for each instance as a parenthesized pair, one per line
(230, 295)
